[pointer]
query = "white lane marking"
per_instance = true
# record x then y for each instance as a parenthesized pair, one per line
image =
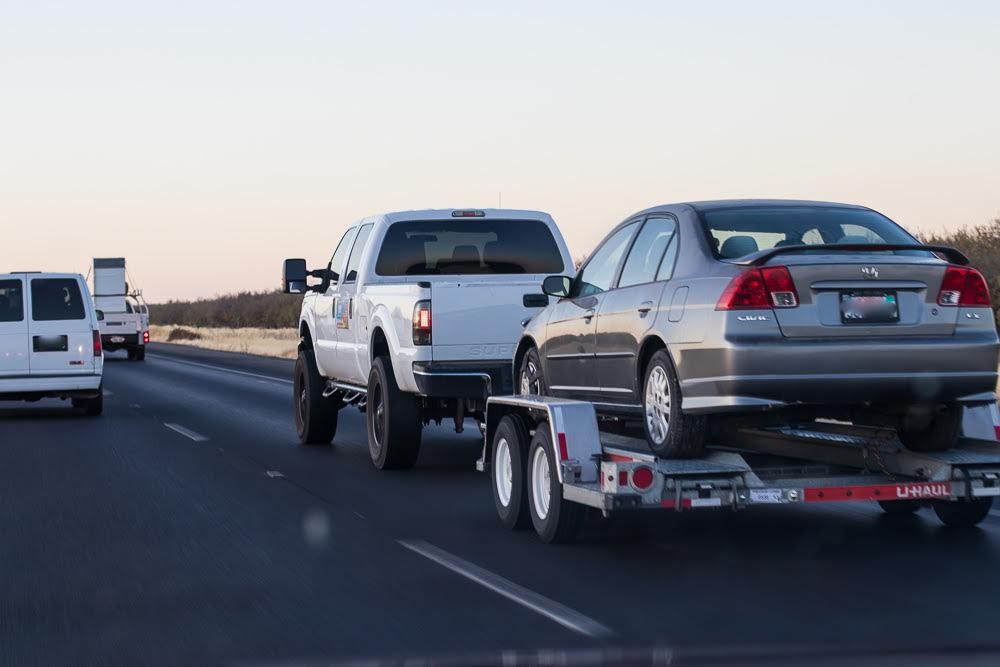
(995, 513)
(187, 433)
(561, 614)
(221, 368)
(108, 392)
(274, 473)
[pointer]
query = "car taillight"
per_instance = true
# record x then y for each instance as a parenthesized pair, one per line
(97, 343)
(963, 286)
(770, 287)
(422, 323)
(145, 337)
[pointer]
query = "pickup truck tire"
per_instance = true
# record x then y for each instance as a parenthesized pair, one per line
(932, 432)
(963, 513)
(556, 520)
(315, 416)
(509, 472)
(393, 417)
(530, 378)
(130, 354)
(91, 407)
(140, 354)
(671, 433)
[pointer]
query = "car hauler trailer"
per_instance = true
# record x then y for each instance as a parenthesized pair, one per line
(125, 322)
(548, 461)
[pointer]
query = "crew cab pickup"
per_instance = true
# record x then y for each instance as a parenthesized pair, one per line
(415, 319)
(50, 345)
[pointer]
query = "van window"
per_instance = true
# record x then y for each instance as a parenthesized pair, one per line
(11, 301)
(472, 246)
(56, 299)
(355, 259)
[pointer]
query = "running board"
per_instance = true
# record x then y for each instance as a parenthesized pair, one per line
(351, 392)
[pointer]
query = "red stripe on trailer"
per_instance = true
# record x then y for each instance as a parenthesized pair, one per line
(563, 450)
(906, 491)
(671, 503)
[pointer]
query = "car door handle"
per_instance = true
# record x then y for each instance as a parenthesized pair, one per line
(645, 307)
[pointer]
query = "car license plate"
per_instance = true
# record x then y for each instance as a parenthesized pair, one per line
(869, 307)
(767, 496)
(118, 339)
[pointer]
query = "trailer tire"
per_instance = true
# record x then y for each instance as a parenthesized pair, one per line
(899, 507)
(393, 420)
(315, 416)
(931, 432)
(509, 472)
(963, 513)
(556, 519)
(530, 378)
(91, 407)
(670, 433)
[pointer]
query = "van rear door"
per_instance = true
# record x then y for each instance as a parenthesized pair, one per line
(14, 357)
(61, 337)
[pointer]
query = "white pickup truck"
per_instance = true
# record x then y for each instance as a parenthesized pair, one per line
(126, 317)
(415, 320)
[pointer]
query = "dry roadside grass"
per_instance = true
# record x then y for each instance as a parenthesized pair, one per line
(248, 340)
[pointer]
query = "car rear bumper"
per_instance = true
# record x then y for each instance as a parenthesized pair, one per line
(462, 380)
(873, 371)
(127, 341)
(30, 388)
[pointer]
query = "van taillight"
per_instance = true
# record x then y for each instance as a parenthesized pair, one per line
(422, 323)
(97, 343)
(770, 287)
(963, 286)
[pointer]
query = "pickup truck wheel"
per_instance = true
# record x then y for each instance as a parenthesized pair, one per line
(931, 432)
(963, 513)
(92, 407)
(315, 416)
(393, 418)
(509, 470)
(530, 379)
(140, 354)
(130, 354)
(556, 520)
(670, 433)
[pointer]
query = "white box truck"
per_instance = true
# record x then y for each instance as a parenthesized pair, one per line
(126, 317)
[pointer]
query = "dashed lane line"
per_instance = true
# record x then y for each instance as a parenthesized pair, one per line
(222, 369)
(186, 432)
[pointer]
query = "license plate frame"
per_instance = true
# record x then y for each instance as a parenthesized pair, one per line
(117, 339)
(862, 307)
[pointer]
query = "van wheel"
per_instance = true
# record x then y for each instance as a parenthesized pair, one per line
(670, 433)
(931, 430)
(508, 470)
(315, 416)
(556, 519)
(92, 407)
(393, 417)
(963, 513)
(530, 378)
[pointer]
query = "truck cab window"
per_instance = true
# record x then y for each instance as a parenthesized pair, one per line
(351, 273)
(340, 254)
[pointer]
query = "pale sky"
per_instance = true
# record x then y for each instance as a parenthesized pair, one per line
(207, 140)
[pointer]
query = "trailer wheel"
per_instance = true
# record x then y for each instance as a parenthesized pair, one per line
(670, 433)
(931, 431)
(393, 418)
(530, 379)
(315, 416)
(963, 513)
(509, 470)
(556, 519)
(92, 407)
(899, 507)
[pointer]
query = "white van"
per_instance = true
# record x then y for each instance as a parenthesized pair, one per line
(50, 344)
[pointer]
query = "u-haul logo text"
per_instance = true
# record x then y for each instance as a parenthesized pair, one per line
(915, 491)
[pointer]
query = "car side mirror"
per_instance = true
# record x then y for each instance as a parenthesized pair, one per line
(293, 276)
(100, 315)
(557, 286)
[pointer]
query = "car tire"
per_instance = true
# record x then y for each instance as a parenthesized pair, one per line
(531, 380)
(91, 407)
(315, 416)
(899, 507)
(509, 471)
(963, 513)
(393, 418)
(670, 433)
(556, 519)
(934, 432)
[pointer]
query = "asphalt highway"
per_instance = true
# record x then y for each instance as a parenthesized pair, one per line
(187, 526)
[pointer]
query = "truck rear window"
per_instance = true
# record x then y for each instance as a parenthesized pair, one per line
(453, 247)
(11, 301)
(56, 299)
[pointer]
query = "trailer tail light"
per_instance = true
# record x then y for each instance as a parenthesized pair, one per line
(145, 338)
(97, 344)
(422, 323)
(642, 478)
(770, 287)
(963, 286)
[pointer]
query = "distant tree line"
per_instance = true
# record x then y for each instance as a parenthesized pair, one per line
(981, 243)
(268, 310)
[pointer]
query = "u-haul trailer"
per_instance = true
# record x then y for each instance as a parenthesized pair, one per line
(548, 461)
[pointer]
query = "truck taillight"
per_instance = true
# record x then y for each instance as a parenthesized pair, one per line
(97, 343)
(963, 286)
(422, 323)
(145, 338)
(770, 287)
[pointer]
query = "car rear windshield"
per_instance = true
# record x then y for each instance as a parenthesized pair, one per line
(736, 232)
(468, 246)
(11, 301)
(56, 299)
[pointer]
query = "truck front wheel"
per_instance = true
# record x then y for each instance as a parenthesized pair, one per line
(393, 418)
(315, 416)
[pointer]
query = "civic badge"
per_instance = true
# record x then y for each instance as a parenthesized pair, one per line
(870, 272)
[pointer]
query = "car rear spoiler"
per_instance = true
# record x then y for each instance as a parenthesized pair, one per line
(763, 256)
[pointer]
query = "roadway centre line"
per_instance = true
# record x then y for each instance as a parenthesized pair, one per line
(561, 614)
(186, 432)
(221, 368)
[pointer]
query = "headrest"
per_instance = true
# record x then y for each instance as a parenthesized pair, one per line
(738, 246)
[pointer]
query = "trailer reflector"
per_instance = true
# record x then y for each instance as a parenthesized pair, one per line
(563, 450)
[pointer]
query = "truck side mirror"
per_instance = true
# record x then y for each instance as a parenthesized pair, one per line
(293, 276)
(557, 286)
(100, 315)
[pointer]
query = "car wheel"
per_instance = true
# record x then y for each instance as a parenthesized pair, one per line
(556, 519)
(393, 417)
(92, 407)
(315, 416)
(530, 379)
(899, 507)
(670, 432)
(509, 469)
(963, 513)
(931, 431)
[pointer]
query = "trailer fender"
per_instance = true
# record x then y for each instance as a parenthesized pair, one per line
(981, 421)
